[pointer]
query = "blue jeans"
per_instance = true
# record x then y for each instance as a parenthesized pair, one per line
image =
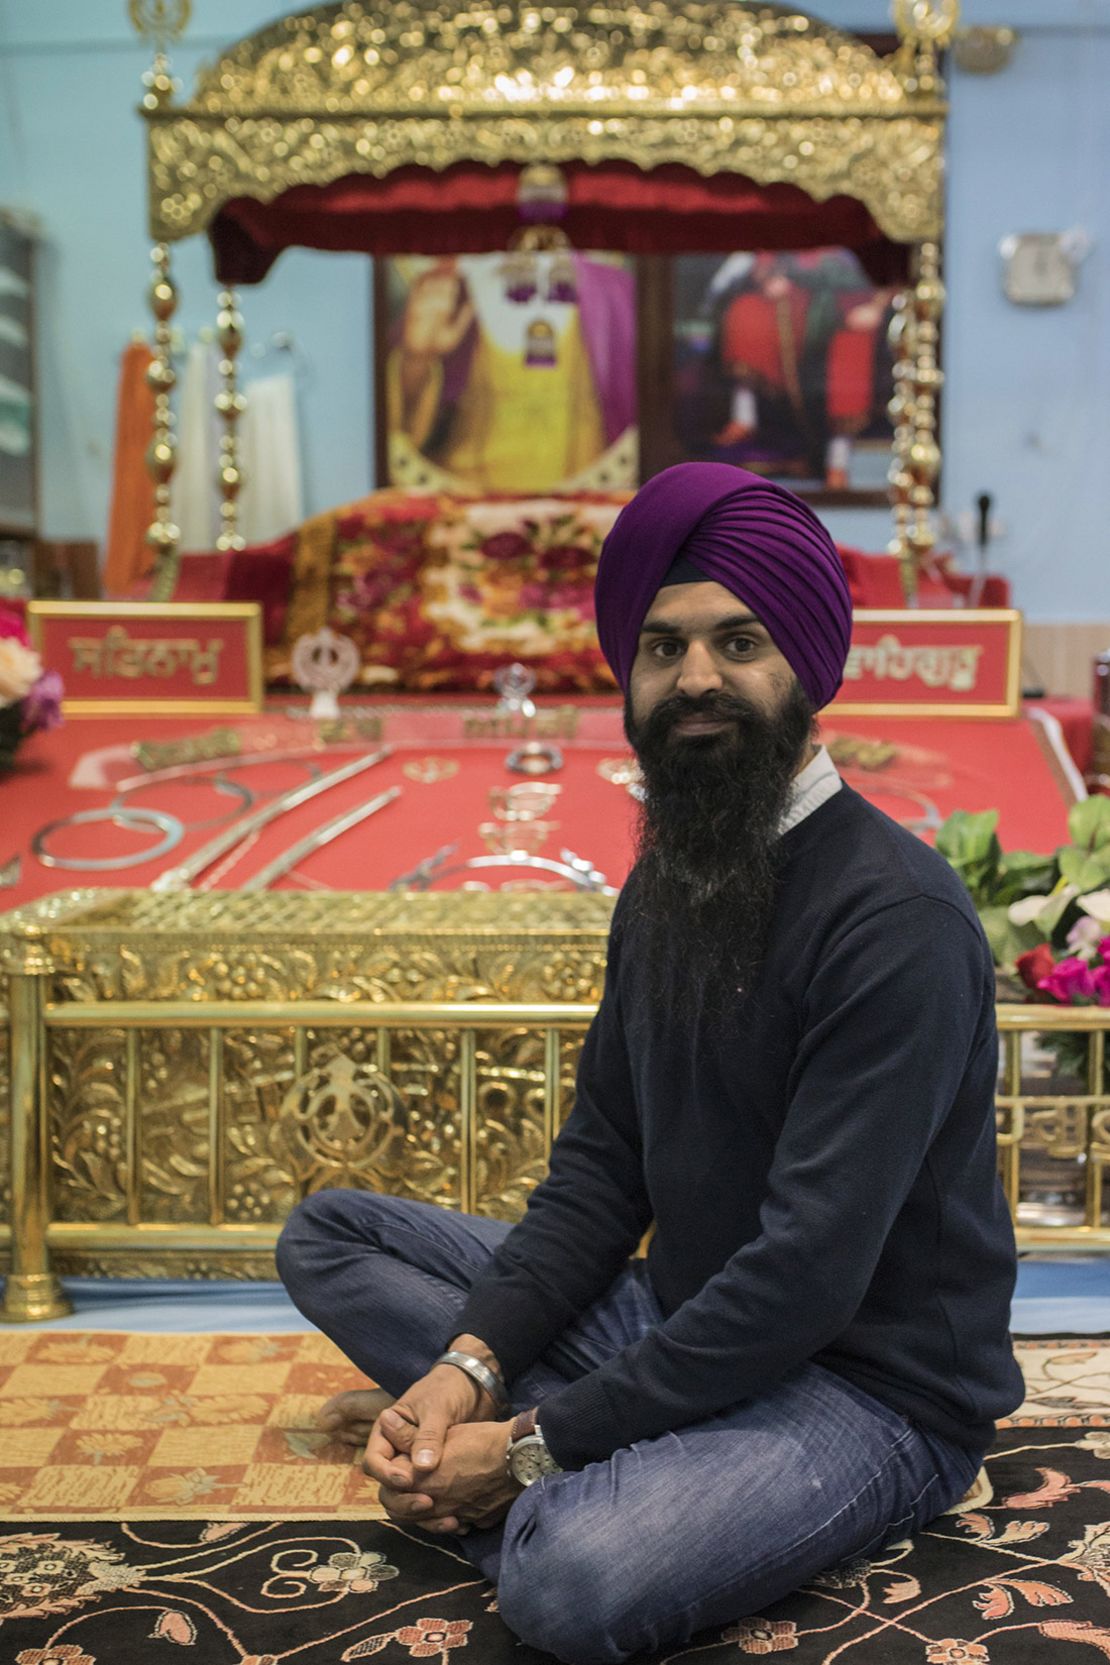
(670, 1535)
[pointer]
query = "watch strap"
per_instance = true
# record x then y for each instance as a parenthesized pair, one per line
(524, 1424)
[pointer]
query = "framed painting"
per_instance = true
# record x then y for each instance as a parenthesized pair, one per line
(18, 414)
(506, 373)
(777, 361)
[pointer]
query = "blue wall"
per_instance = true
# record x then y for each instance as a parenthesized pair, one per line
(1027, 405)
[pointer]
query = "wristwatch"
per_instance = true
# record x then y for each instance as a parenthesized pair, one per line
(528, 1458)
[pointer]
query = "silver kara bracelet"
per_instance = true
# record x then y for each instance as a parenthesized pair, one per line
(478, 1372)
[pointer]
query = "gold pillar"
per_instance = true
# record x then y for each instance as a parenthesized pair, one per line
(32, 1291)
(230, 405)
(161, 458)
(927, 302)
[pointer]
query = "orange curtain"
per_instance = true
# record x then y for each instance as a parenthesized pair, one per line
(129, 558)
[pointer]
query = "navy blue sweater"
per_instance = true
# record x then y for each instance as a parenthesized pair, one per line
(820, 1166)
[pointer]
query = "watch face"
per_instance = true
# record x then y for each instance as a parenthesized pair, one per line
(530, 1460)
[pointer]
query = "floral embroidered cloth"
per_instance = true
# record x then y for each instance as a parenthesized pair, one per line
(441, 591)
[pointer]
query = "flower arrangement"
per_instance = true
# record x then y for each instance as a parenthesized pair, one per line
(1047, 917)
(30, 698)
(1055, 906)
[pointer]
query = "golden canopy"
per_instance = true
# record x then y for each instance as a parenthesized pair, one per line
(735, 95)
(759, 90)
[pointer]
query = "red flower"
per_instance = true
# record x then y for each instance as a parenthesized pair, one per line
(1037, 963)
(12, 625)
(504, 546)
(565, 557)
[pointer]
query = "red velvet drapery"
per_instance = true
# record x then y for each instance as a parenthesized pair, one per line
(470, 208)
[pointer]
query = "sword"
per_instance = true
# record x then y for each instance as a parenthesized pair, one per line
(180, 877)
(316, 840)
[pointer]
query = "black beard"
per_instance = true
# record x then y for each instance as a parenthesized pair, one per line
(708, 841)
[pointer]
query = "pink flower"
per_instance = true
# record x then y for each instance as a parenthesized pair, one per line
(1104, 950)
(12, 625)
(1100, 980)
(42, 707)
(1069, 982)
(1083, 937)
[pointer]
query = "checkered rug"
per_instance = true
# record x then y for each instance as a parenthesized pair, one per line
(95, 1426)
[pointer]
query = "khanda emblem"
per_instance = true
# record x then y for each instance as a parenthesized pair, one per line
(345, 1124)
(160, 20)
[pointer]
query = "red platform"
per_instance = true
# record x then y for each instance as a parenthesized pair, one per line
(940, 764)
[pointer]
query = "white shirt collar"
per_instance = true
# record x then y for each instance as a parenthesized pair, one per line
(817, 783)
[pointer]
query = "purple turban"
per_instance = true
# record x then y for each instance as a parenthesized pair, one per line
(756, 539)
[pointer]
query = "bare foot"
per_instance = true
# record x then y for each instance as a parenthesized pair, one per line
(349, 1417)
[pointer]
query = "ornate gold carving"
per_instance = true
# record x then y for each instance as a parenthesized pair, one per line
(770, 94)
(88, 1117)
(413, 56)
(249, 1268)
(346, 1124)
(282, 945)
(5, 1118)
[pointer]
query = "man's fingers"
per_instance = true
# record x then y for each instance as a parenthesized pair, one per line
(427, 1444)
(406, 1506)
(383, 1463)
(398, 1429)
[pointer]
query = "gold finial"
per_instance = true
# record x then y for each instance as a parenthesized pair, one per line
(160, 22)
(927, 20)
(926, 28)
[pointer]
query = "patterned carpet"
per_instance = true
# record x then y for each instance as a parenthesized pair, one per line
(237, 1570)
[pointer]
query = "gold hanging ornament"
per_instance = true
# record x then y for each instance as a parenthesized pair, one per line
(161, 457)
(230, 405)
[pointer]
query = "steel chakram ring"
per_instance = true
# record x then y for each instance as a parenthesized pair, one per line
(171, 828)
(229, 788)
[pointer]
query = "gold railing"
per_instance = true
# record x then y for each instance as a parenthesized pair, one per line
(1053, 1117)
(406, 1046)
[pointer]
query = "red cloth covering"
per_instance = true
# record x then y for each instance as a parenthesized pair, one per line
(875, 581)
(471, 208)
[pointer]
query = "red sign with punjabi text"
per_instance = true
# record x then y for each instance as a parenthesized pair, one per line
(166, 657)
(933, 663)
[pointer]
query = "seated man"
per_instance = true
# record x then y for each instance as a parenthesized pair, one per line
(791, 1075)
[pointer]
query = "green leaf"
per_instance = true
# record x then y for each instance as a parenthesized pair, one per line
(1024, 873)
(1007, 940)
(1088, 872)
(1089, 822)
(966, 838)
(1052, 915)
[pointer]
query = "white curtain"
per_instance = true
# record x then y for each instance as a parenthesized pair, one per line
(194, 498)
(271, 501)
